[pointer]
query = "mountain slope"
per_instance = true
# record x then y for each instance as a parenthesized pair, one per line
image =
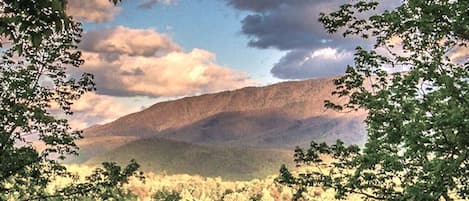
(268, 130)
(253, 116)
(160, 155)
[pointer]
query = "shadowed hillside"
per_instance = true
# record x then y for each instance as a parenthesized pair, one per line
(268, 130)
(172, 157)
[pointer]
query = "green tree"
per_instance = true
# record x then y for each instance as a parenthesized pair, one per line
(38, 52)
(418, 119)
(165, 195)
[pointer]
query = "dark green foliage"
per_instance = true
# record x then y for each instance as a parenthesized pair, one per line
(172, 157)
(418, 125)
(39, 50)
(164, 195)
(227, 192)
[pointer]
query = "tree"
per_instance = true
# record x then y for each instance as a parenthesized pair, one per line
(417, 123)
(38, 51)
(165, 195)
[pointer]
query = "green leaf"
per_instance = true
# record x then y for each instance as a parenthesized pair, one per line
(36, 39)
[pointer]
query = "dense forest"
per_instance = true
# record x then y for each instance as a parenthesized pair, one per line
(163, 187)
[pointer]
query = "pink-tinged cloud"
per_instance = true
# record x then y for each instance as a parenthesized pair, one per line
(98, 11)
(174, 74)
(129, 62)
(122, 40)
(460, 54)
(92, 10)
(93, 109)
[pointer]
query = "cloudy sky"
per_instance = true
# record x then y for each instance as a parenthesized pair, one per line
(145, 51)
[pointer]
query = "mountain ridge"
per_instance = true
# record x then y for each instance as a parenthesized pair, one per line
(297, 100)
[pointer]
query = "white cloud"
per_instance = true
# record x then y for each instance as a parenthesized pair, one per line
(92, 10)
(174, 74)
(460, 54)
(129, 62)
(93, 109)
(329, 53)
(323, 62)
(98, 11)
(123, 40)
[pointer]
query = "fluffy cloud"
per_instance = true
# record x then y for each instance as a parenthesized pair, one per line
(293, 26)
(102, 10)
(92, 10)
(122, 40)
(288, 26)
(97, 109)
(129, 62)
(92, 108)
(460, 54)
(301, 64)
(174, 74)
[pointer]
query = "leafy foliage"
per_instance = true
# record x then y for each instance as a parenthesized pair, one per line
(164, 195)
(417, 119)
(39, 52)
(173, 157)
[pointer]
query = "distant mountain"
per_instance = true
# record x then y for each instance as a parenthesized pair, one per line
(234, 134)
(277, 116)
